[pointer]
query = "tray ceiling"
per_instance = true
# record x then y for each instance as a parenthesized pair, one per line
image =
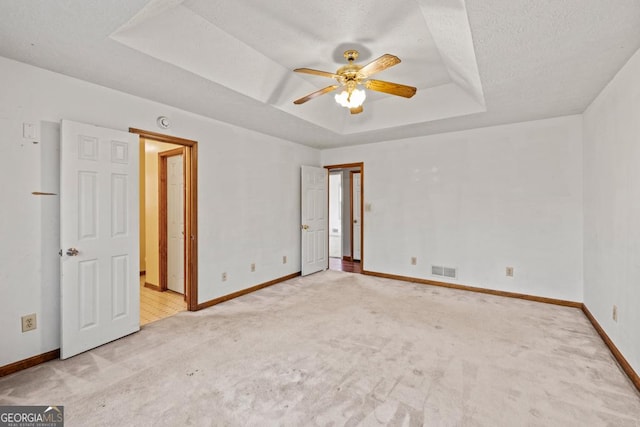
(475, 63)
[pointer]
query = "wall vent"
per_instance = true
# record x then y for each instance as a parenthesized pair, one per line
(438, 270)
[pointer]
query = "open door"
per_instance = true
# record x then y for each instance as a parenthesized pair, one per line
(190, 218)
(353, 216)
(100, 298)
(356, 215)
(172, 220)
(315, 220)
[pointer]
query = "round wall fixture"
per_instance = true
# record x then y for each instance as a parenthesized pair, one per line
(163, 122)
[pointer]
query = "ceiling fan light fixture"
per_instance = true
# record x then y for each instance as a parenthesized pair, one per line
(352, 75)
(354, 100)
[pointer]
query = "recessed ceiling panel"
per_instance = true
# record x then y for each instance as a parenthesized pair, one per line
(252, 48)
(306, 34)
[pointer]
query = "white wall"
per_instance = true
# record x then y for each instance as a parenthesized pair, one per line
(478, 200)
(612, 209)
(248, 197)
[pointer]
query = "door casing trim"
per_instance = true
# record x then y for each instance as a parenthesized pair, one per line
(191, 206)
(350, 166)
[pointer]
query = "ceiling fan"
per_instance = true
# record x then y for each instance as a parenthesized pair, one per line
(352, 75)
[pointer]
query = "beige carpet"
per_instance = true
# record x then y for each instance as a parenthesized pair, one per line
(344, 349)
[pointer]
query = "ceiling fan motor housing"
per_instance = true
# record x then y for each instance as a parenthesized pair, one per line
(351, 55)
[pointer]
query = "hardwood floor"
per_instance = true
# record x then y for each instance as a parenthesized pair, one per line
(342, 265)
(156, 305)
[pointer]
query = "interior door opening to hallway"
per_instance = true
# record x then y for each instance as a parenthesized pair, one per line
(346, 201)
(168, 226)
(100, 228)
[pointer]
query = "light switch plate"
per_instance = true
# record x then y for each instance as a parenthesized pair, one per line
(29, 131)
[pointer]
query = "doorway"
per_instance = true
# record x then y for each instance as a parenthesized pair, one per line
(335, 214)
(168, 223)
(346, 185)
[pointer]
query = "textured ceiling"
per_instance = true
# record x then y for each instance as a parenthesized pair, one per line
(476, 62)
(233, 45)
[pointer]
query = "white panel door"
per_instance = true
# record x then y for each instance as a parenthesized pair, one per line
(315, 220)
(356, 215)
(99, 204)
(175, 223)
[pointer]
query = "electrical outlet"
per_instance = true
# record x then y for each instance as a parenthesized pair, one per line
(224, 277)
(414, 260)
(284, 259)
(29, 322)
(614, 313)
(253, 266)
(509, 271)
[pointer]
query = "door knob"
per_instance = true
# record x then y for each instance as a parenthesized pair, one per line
(72, 252)
(355, 221)
(305, 227)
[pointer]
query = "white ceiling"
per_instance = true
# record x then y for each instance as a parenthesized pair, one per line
(475, 63)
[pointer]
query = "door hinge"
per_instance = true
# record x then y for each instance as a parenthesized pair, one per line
(60, 252)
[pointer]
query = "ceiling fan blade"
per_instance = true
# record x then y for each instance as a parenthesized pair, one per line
(316, 72)
(315, 94)
(391, 88)
(380, 64)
